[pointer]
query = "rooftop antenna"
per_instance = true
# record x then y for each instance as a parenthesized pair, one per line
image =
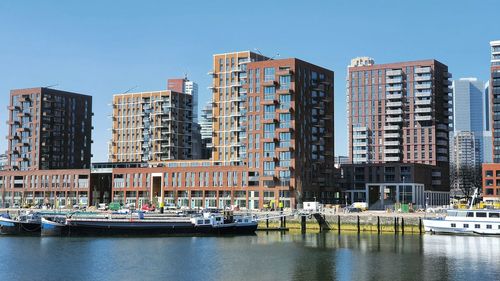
(260, 53)
(133, 88)
(51, 86)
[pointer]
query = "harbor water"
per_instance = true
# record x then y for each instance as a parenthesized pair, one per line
(264, 256)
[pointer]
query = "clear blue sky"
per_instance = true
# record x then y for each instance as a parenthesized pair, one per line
(103, 48)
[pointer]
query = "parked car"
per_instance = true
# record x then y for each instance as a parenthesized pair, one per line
(102, 207)
(352, 209)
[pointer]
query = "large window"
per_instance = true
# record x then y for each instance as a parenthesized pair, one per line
(269, 131)
(285, 139)
(269, 149)
(268, 74)
(285, 157)
(285, 101)
(269, 168)
(285, 82)
(269, 93)
(285, 120)
(269, 111)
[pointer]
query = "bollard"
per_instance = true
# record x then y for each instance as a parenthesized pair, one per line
(358, 225)
(338, 223)
(284, 222)
(378, 224)
(420, 225)
(395, 225)
(267, 221)
(402, 226)
(303, 224)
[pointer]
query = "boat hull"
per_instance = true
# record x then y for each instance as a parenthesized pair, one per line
(443, 226)
(13, 227)
(149, 228)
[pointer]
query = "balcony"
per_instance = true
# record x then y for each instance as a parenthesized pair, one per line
(391, 143)
(395, 72)
(442, 127)
(392, 151)
(284, 91)
(394, 119)
(394, 111)
(442, 142)
(423, 86)
(394, 104)
(391, 158)
(421, 70)
(423, 78)
(394, 80)
(394, 88)
(423, 94)
(423, 102)
(423, 110)
(268, 83)
(391, 135)
(393, 96)
(447, 82)
(423, 118)
(391, 128)
(442, 151)
(442, 158)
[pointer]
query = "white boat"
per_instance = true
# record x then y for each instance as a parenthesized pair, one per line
(481, 222)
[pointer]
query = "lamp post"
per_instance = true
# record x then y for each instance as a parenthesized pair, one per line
(404, 187)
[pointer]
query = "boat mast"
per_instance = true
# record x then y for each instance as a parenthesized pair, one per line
(474, 196)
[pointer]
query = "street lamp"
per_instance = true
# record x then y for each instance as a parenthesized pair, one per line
(404, 187)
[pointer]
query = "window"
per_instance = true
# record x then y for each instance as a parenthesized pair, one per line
(269, 111)
(285, 120)
(494, 215)
(466, 225)
(269, 93)
(285, 82)
(477, 226)
(268, 74)
(480, 215)
(453, 225)
(488, 226)
(285, 101)
(470, 214)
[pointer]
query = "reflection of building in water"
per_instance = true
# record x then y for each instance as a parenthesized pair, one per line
(480, 253)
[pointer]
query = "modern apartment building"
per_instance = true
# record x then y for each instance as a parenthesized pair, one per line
(229, 76)
(491, 171)
(206, 130)
(152, 126)
(465, 165)
(288, 120)
(399, 113)
(49, 129)
(184, 85)
(495, 98)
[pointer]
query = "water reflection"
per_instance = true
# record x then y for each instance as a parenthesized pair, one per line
(266, 256)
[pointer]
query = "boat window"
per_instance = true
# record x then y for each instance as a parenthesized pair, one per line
(477, 226)
(494, 215)
(239, 220)
(470, 214)
(200, 221)
(466, 225)
(452, 213)
(246, 220)
(480, 215)
(453, 225)
(217, 219)
(461, 214)
(488, 226)
(207, 221)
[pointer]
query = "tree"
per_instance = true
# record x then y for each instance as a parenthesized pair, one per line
(466, 179)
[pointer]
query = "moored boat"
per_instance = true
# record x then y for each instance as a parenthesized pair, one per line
(207, 224)
(27, 224)
(468, 221)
